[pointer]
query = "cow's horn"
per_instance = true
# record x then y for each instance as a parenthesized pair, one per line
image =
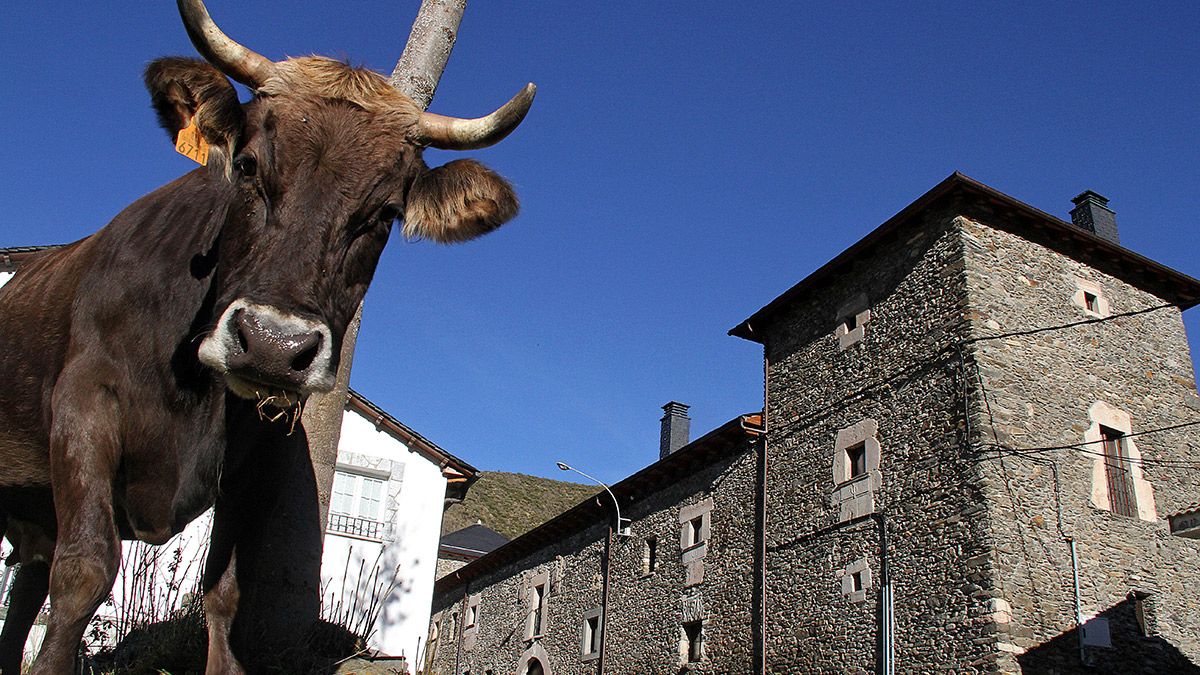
(231, 58)
(456, 133)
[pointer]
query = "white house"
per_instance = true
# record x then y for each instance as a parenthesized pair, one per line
(391, 486)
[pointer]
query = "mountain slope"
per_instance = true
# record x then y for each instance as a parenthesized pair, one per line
(514, 503)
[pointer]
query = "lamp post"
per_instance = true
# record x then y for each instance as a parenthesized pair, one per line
(622, 523)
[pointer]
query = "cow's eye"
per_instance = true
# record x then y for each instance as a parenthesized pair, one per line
(246, 165)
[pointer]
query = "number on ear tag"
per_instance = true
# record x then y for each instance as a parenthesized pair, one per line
(191, 144)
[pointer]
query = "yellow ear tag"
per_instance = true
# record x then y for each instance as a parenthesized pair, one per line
(191, 144)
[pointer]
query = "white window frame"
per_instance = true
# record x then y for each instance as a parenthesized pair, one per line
(356, 495)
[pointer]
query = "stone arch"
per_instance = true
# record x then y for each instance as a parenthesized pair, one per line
(535, 661)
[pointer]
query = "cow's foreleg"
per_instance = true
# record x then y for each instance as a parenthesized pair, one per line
(25, 601)
(84, 450)
(221, 594)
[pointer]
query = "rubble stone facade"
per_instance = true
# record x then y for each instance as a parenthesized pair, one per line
(978, 420)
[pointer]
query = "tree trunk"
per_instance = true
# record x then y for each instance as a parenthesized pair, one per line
(417, 74)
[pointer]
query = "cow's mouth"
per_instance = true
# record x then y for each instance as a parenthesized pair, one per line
(273, 403)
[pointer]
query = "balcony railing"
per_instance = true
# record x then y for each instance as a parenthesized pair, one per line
(357, 527)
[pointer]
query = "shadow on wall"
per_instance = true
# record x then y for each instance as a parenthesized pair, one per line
(1134, 646)
(369, 590)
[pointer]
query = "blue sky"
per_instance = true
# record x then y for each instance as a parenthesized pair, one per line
(684, 163)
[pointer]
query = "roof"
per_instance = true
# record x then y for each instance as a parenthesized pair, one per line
(1038, 225)
(720, 442)
(473, 541)
(451, 466)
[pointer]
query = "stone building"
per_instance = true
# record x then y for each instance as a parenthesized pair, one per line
(538, 604)
(978, 457)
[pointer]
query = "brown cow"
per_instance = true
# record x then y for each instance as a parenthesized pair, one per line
(119, 351)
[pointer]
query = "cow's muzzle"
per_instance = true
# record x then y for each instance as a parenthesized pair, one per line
(263, 351)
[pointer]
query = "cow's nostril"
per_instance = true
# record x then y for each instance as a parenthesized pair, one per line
(305, 358)
(241, 338)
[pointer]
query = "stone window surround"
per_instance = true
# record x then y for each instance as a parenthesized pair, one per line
(470, 631)
(1082, 287)
(691, 612)
(531, 604)
(855, 497)
(1085, 287)
(593, 613)
(692, 553)
(858, 309)
(846, 577)
(1102, 414)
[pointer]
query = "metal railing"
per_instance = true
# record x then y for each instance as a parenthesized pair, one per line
(358, 527)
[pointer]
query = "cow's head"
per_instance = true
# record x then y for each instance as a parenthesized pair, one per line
(319, 164)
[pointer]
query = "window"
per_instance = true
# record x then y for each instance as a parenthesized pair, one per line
(650, 556)
(694, 528)
(589, 645)
(856, 456)
(452, 626)
(472, 615)
(852, 321)
(539, 609)
(695, 523)
(1118, 483)
(356, 505)
(855, 579)
(1089, 296)
(856, 470)
(693, 636)
(1116, 471)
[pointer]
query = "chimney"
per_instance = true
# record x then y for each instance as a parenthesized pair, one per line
(1091, 213)
(676, 425)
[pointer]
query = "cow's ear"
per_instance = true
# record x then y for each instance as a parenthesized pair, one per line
(183, 90)
(458, 202)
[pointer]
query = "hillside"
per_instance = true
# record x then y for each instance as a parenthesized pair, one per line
(514, 503)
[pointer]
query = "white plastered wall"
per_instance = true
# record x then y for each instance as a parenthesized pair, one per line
(401, 571)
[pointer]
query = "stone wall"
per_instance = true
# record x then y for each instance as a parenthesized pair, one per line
(896, 383)
(710, 582)
(1125, 359)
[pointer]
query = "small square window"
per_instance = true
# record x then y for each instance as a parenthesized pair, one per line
(856, 581)
(850, 322)
(693, 633)
(856, 456)
(1090, 302)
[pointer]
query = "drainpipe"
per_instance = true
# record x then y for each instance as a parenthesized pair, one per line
(758, 621)
(886, 618)
(607, 573)
(1078, 605)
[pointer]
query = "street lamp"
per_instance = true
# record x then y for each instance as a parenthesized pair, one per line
(622, 523)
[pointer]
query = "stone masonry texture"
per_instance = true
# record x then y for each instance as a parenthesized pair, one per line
(971, 395)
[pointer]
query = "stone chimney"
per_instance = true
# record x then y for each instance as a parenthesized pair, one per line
(1091, 213)
(676, 425)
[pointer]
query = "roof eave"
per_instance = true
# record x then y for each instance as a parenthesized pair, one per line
(959, 181)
